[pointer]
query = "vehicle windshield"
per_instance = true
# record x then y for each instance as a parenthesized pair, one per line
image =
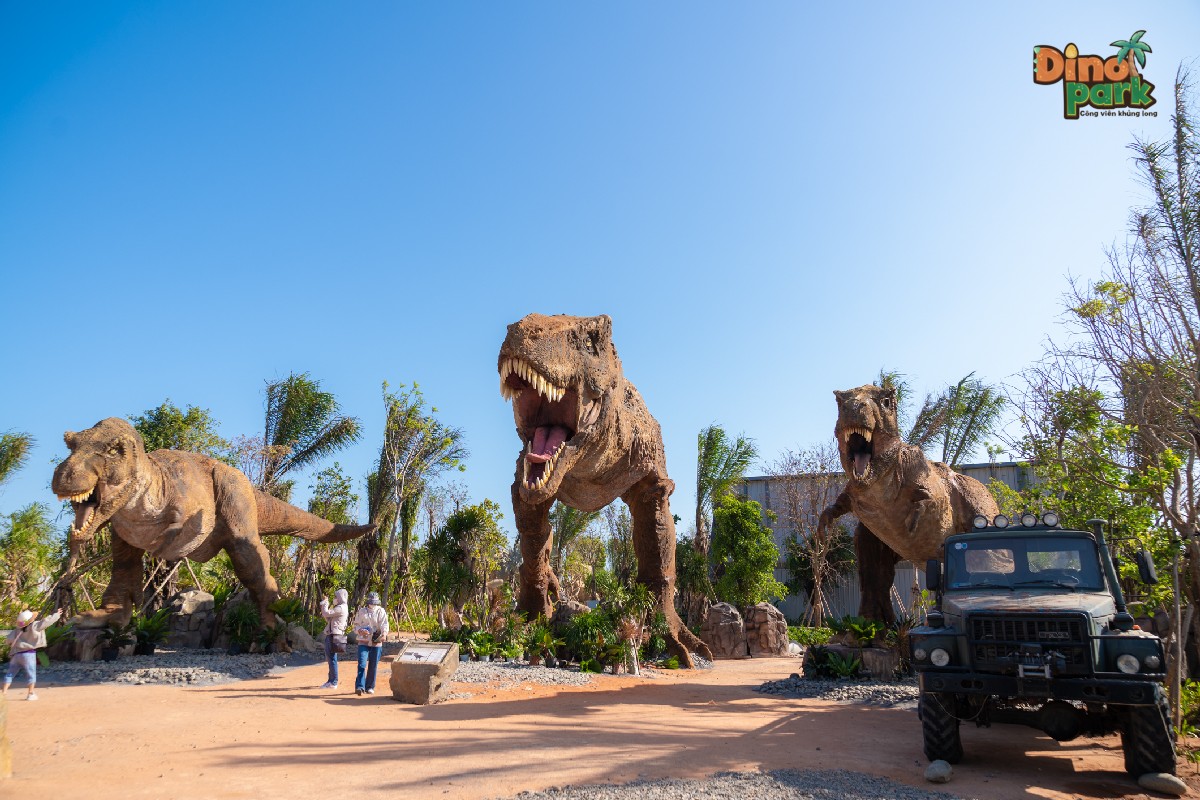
(1020, 562)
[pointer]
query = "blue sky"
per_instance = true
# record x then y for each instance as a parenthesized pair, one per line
(770, 200)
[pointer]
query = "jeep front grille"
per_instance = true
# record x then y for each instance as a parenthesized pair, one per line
(996, 641)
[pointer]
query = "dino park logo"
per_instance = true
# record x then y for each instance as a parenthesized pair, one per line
(1095, 86)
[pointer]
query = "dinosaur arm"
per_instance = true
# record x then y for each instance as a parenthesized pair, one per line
(922, 504)
(839, 507)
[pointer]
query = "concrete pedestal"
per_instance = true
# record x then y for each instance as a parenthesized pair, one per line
(421, 671)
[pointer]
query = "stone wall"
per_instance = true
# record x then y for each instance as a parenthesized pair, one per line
(766, 630)
(192, 619)
(724, 632)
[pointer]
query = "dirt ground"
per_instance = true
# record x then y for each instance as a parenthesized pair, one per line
(279, 736)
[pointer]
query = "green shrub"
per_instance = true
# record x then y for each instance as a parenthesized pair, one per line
(241, 621)
(821, 663)
(589, 635)
(152, 629)
(809, 636)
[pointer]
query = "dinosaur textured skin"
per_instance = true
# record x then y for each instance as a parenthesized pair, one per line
(173, 504)
(587, 439)
(906, 505)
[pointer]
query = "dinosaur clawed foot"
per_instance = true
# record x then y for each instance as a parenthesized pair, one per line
(102, 617)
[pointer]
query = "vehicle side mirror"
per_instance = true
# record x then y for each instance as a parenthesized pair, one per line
(933, 575)
(1145, 565)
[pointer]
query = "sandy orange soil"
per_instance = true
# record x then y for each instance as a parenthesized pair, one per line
(279, 736)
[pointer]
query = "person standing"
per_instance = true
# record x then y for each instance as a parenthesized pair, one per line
(370, 629)
(23, 644)
(335, 632)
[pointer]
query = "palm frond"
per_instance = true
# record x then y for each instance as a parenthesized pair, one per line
(14, 452)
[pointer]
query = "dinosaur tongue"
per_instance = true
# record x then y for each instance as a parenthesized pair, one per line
(546, 440)
(862, 462)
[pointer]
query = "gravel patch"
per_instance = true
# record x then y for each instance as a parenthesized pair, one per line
(507, 674)
(176, 667)
(782, 784)
(895, 694)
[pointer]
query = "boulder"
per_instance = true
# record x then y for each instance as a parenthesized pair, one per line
(939, 772)
(1164, 783)
(193, 618)
(302, 641)
(566, 611)
(724, 632)
(766, 630)
(191, 601)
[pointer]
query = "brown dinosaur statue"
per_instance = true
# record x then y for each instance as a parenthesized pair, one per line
(905, 503)
(587, 440)
(173, 504)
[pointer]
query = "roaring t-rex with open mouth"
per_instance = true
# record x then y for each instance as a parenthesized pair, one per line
(587, 439)
(173, 504)
(906, 504)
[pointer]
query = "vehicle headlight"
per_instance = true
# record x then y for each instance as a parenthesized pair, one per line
(920, 654)
(941, 658)
(1128, 663)
(1152, 662)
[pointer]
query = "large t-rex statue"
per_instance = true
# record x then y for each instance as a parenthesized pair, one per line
(173, 504)
(588, 439)
(905, 503)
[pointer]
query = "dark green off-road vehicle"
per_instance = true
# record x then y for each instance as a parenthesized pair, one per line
(1030, 627)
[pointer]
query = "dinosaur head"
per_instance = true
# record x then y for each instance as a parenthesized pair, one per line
(101, 474)
(866, 429)
(559, 372)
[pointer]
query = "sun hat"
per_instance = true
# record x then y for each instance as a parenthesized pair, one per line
(373, 599)
(24, 617)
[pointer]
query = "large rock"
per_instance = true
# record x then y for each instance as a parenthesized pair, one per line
(424, 678)
(1164, 783)
(84, 645)
(566, 611)
(302, 641)
(193, 619)
(766, 630)
(724, 632)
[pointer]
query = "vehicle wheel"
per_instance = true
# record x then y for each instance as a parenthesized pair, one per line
(1146, 738)
(940, 727)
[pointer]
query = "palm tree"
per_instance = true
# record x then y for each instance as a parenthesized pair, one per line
(973, 411)
(1135, 47)
(720, 465)
(302, 427)
(567, 525)
(14, 452)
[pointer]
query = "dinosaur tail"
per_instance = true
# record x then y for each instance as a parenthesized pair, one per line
(278, 517)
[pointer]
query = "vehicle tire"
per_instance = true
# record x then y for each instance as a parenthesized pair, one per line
(1146, 738)
(940, 727)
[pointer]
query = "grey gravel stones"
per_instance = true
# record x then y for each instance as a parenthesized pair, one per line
(776, 785)
(891, 694)
(186, 667)
(513, 673)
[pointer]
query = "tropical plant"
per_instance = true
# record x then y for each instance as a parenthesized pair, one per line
(588, 636)
(540, 641)
(170, 428)
(744, 554)
(14, 452)
(118, 636)
(416, 448)
(567, 526)
(622, 557)
(151, 630)
(809, 636)
(822, 663)
(268, 636)
(720, 465)
(30, 553)
(241, 621)
(289, 609)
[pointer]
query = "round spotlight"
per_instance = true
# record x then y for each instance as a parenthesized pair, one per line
(980, 521)
(1029, 520)
(1001, 521)
(1050, 519)
(941, 658)
(919, 653)
(1128, 663)
(1152, 662)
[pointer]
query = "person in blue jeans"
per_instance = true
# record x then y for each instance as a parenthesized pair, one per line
(335, 625)
(23, 643)
(370, 629)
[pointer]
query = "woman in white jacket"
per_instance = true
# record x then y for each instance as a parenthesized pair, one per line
(335, 626)
(370, 629)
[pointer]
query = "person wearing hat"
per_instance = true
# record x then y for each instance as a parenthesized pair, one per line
(335, 633)
(370, 629)
(23, 644)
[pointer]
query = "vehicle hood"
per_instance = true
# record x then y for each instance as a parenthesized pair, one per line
(1098, 605)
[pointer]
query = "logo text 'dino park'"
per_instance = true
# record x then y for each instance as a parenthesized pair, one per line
(1093, 81)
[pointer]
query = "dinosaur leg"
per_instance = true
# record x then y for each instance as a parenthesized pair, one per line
(654, 541)
(124, 589)
(876, 573)
(237, 517)
(533, 530)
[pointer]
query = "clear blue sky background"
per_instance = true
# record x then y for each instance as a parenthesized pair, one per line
(771, 200)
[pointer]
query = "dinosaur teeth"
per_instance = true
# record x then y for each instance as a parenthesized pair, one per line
(529, 375)
(850, 431)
